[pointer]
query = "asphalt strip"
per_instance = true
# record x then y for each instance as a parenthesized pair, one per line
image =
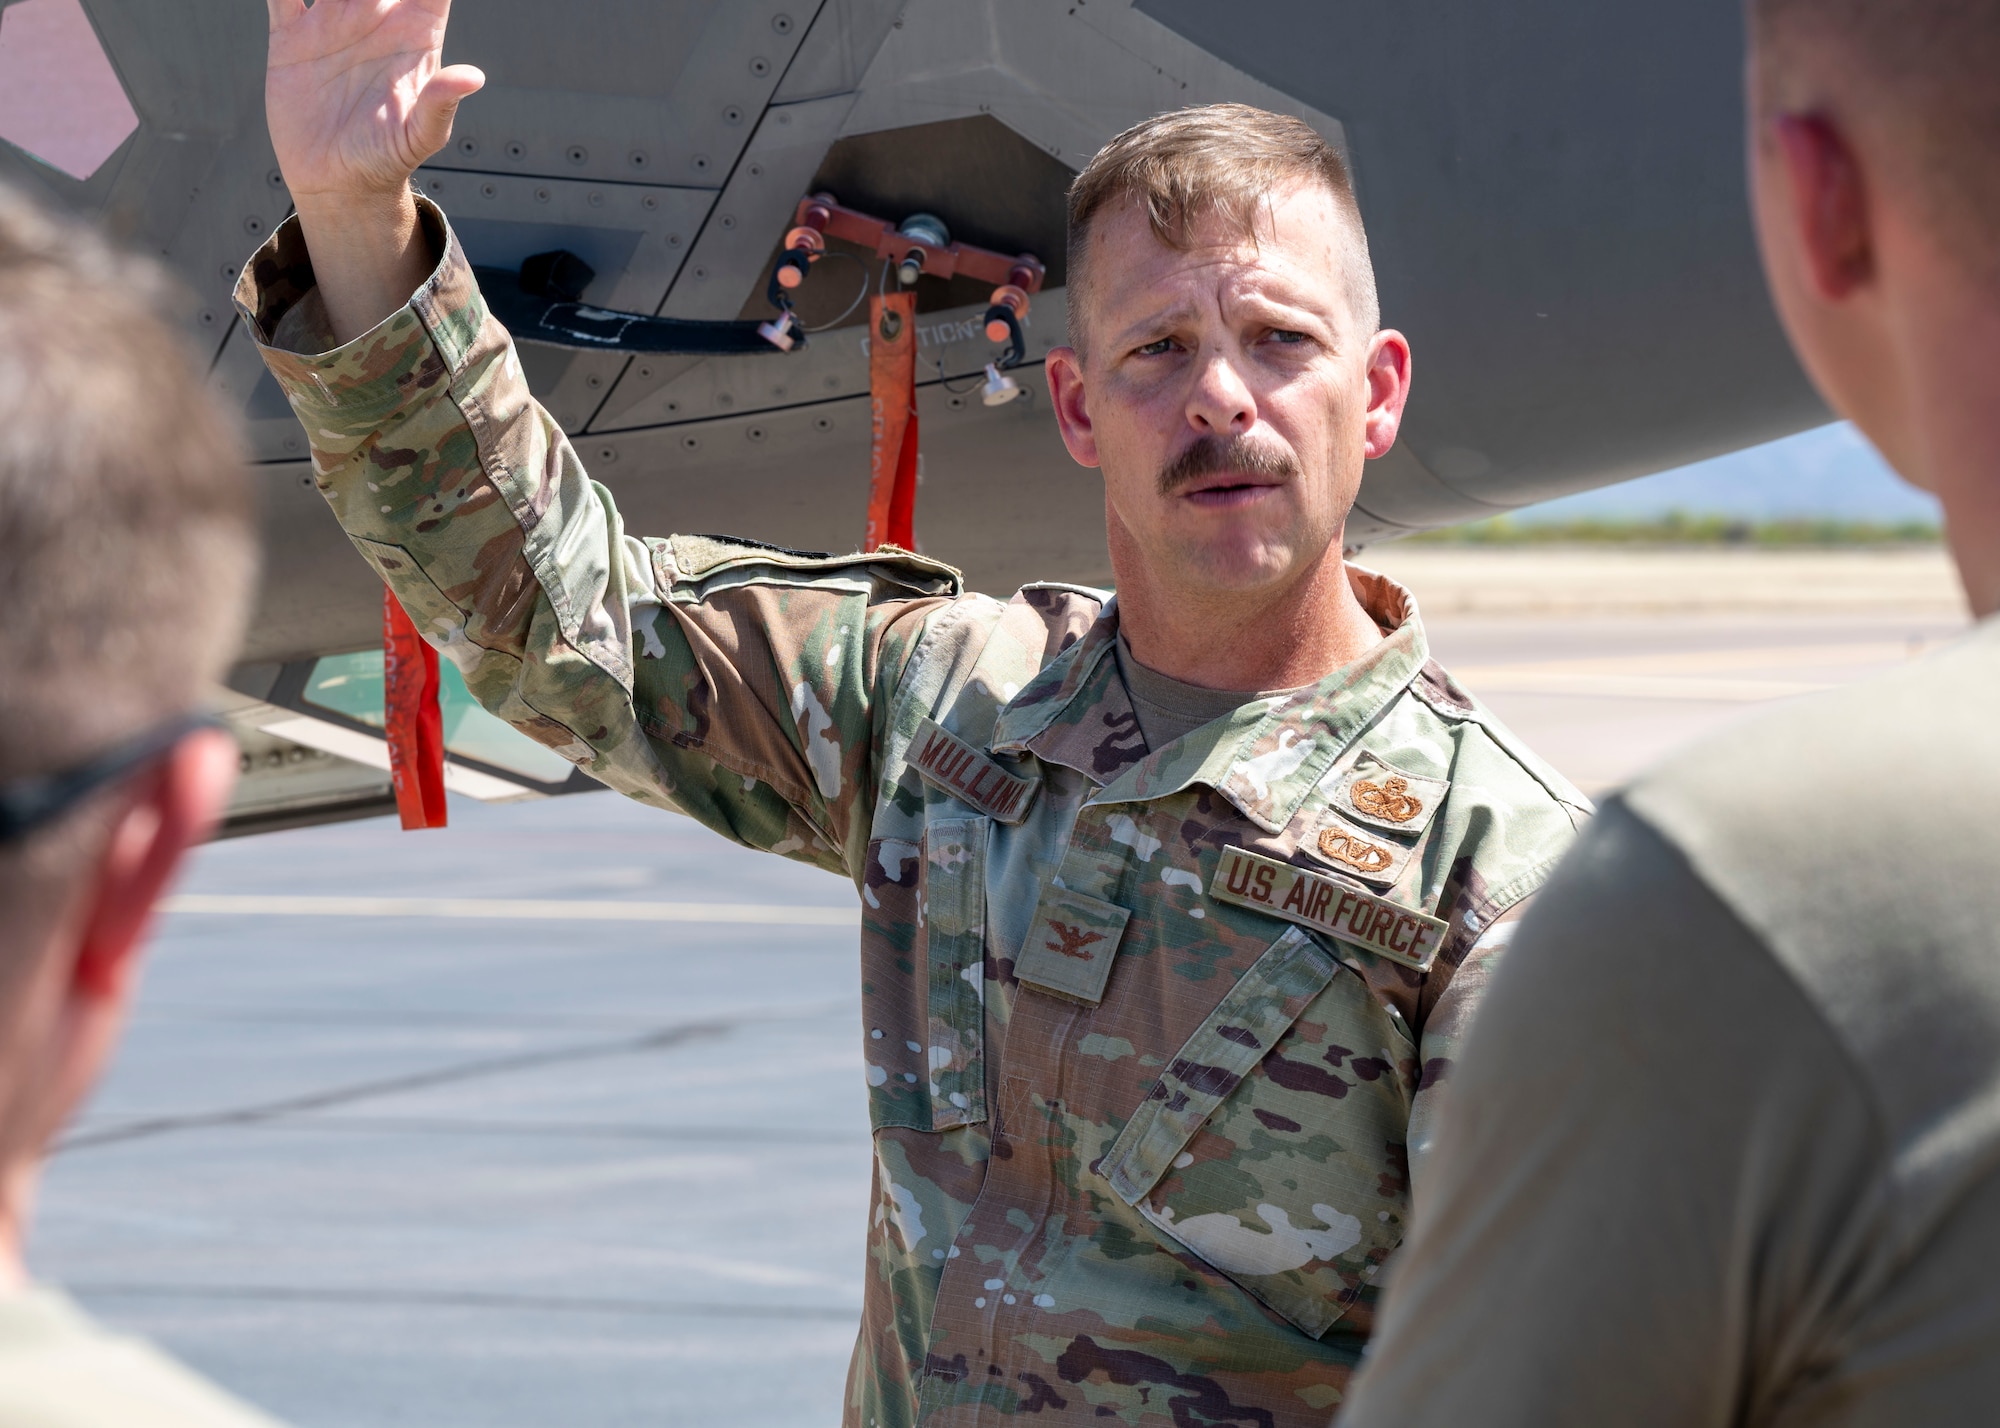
(663, 1039)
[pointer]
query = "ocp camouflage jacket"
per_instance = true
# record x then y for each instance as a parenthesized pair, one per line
(1148, 1033)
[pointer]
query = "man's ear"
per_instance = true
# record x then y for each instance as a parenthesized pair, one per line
(1829, 203)
(1065, 371)
(171, 808)
(1388, 391)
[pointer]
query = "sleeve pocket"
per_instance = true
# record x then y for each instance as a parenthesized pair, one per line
(926, 1003)
(955, 911)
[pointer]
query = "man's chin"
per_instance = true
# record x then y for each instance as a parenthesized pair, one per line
(1236, 566)
(1247, 553)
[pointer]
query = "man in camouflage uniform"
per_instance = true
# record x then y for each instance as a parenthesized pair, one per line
(1159, 981)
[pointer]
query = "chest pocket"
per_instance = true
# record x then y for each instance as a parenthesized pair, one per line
(1273, 1145)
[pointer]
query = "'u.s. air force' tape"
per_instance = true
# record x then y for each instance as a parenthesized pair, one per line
(970, 775)
(1327, 905)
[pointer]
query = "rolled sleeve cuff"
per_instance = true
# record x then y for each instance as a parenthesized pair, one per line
(343, 393)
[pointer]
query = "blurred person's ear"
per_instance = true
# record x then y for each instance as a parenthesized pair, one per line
(1829, 211)
(1839, 265)
(170, 809)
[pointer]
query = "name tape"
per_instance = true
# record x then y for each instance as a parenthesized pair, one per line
(970, 775)
(1326, 905)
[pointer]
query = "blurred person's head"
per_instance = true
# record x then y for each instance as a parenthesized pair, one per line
(1225, 371)
(126, 549)
(1874, 155)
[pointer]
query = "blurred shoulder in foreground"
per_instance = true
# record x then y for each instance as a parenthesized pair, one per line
(126, 547)
(1726, 1145)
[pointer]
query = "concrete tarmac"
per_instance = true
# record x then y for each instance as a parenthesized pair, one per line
(595, 1151)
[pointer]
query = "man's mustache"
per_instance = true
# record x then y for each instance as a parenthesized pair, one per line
(1225, 456)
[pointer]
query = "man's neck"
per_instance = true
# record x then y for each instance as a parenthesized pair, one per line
(1954, 435)
(1231, 640)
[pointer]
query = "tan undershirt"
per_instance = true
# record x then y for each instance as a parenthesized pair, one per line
(1169, 710)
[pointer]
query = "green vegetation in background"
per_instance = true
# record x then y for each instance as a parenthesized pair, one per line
(1680, 528)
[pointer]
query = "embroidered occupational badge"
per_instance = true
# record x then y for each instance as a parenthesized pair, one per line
(1387, 797)
(1349, 848)
(1328, 905)
(1071, 945)
(970, 775)
(1357, 852)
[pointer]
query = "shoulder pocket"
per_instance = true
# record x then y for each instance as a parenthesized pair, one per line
(1272, 1147)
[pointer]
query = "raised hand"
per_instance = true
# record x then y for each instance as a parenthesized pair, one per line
(357, 95)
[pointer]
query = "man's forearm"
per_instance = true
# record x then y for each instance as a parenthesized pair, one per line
(430, 502)
(369, 255)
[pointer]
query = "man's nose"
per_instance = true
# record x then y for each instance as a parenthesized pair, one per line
(1221, 401)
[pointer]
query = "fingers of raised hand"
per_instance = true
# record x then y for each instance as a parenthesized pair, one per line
(438, 104)
(453, 83)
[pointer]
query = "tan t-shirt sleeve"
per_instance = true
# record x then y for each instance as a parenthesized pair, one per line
(1656, 1168)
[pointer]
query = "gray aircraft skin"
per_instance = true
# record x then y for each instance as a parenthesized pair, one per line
(1552, 189)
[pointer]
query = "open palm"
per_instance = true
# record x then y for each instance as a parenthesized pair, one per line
(356, 92)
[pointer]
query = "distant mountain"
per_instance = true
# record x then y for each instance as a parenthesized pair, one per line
(1830, 472)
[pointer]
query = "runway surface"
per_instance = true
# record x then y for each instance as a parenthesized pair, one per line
(556, 1116)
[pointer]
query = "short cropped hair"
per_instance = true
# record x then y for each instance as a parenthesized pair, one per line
(1924, 73)
(127, 537)
(1214, 160)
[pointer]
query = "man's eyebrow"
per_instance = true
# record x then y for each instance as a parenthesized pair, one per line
(1299, 303)
(1154, 322)
(1296, 305)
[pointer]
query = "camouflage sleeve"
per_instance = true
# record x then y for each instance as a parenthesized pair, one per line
(742, 684)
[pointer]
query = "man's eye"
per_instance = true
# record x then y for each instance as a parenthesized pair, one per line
(1155, 349)
(1286, 335)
